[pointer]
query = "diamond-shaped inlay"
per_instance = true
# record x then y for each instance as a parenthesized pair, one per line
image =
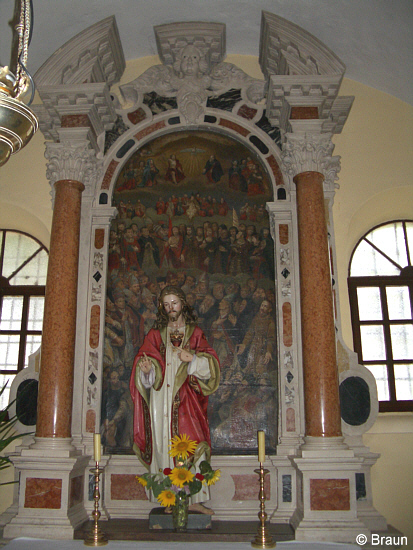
(289, 377)
(97, 276)
(92, 378)
(285, 272)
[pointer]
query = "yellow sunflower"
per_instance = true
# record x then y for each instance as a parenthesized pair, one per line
(167, 498)
(180, 476)
(182, 446)
(142, 481)
(214, 478)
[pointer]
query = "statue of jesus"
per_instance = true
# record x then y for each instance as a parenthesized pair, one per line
(174, 372)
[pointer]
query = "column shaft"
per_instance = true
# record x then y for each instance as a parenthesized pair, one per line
(322, 404)
(54, 411)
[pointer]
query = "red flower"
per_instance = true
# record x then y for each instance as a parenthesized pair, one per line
(199, 476)
(167, 471)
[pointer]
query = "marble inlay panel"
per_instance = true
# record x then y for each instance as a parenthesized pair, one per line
(247, 487)
(287, 325)
(304, 113)
(150, 129)
(137, 116)
(233, 126)
(94, 326)
(126, 487)
(330, 494)
(279, 180)
(90, 421)
(75, 121)
(76, 491)
(247, 112)
(43, 493)
(290, 419)
(283, 233)
(109, 174)
(99, 238)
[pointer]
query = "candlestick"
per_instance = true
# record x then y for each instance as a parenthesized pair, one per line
(96, 537)
(96, 447)
(261, 447)
(262, 539)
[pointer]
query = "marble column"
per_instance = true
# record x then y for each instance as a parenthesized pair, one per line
(322, 403)
(54, 411)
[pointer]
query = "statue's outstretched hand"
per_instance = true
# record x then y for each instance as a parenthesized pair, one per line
(145, 364)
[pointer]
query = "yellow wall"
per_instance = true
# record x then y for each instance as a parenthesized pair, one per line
(375, 186)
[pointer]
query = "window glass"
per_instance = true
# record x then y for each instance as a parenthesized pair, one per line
(367, 261)
(4, 397)
(34, 272)
(402, 341)
(404, 381)
(390, 239)
(380, 374)
(17, 250)
(398, 302)
(373, 347)
(369, 303)
(36, 309)
(33, 342)
(11, 313)
(9, 351)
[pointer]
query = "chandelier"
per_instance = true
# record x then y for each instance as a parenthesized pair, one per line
(17, 122)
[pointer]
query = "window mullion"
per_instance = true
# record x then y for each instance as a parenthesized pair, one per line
(23, 333)
(388, 343)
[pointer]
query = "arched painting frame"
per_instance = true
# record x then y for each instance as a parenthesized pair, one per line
(191, 211)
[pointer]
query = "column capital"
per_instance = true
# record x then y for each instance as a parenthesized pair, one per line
(73, 159)
(310, 152)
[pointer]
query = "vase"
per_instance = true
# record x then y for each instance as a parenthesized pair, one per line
(180, 513)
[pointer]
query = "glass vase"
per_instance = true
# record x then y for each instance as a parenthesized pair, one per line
(180, 513)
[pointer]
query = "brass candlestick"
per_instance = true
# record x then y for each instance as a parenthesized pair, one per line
(96, 537)
(262, 539)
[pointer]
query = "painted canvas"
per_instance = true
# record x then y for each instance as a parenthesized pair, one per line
(191, 212)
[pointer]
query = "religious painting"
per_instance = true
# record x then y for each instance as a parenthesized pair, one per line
(191, 212)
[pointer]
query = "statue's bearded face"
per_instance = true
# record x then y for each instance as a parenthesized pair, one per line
(173, 306)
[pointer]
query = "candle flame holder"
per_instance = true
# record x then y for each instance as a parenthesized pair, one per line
(262, 539)
(96, 537)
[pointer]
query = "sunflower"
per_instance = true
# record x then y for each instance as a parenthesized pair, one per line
(214, 478)
(182, 446)
(142, 481)
(167, 498)
(180, 476)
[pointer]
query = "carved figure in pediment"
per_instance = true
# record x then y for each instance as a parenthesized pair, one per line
(191, 80)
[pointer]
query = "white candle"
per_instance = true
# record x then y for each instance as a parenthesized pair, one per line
(96, 446)
(261, 447)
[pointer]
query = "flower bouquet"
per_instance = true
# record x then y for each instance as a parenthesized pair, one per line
(173, 487)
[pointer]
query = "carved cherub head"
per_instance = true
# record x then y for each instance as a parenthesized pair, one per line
(190, 61)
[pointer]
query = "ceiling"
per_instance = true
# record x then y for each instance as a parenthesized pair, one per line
(374, 38)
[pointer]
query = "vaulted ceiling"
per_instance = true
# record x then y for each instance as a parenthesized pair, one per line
(373, 38)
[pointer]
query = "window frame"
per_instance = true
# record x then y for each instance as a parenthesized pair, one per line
(27, 292)
(382, 282)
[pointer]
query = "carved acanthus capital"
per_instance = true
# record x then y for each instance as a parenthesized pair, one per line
(310, 152)
(73, 160)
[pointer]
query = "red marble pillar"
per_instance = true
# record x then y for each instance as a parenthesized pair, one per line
(322, 404)
(54, 410)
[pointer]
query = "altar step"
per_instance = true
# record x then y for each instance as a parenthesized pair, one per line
(220, 531)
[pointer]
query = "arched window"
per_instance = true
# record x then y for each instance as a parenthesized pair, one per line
(381, 301)
(23, 269)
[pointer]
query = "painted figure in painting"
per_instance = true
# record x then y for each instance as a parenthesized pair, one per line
(213, 170)
(149, 174)
(174, 372)
(175, 172)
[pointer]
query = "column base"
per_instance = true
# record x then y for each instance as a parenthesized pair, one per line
(328, 512)
(52, 485)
